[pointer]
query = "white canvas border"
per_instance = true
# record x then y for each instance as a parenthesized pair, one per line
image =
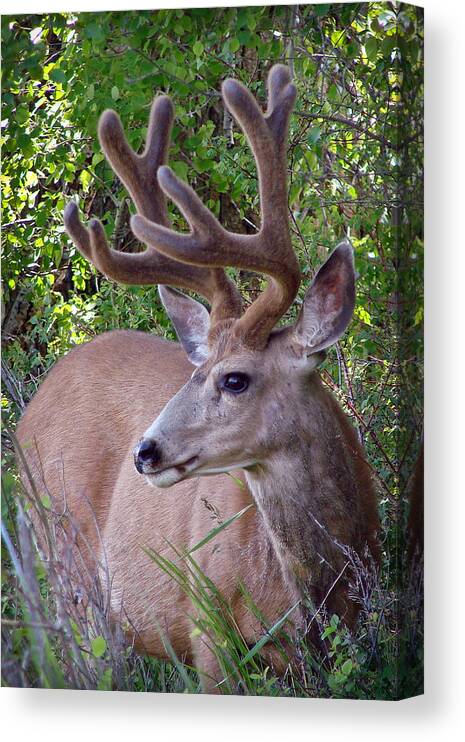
(53, 715)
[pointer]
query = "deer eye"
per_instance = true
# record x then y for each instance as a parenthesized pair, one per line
(235, 383)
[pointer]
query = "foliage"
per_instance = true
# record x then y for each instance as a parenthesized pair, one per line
(355, 168)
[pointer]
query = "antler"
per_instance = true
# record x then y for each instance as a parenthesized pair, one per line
(138, 174)
(270, 250)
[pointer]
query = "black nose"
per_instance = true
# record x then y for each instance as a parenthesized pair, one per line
(146, 453)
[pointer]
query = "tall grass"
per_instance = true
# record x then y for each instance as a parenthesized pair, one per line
(54, 635)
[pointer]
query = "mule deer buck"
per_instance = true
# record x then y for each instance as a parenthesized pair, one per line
(138, 433)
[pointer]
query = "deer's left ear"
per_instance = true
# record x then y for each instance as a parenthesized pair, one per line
(191, 321)
(329, 302)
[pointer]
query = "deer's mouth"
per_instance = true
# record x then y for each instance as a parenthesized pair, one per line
(169, 475)
(193, 467)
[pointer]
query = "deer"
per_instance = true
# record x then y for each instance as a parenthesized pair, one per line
(140, 433)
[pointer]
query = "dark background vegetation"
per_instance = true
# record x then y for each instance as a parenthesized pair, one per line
(355, 167)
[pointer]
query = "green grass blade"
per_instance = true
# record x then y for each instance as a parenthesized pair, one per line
(215, 531)
(180, 667)
(269, 634)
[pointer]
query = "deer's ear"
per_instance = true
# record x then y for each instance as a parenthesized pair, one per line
(329, 302)
(191, 321)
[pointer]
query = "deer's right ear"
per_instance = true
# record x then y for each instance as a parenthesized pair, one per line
(329, 302)
(191, 321)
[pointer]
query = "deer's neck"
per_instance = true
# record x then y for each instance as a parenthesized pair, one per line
(308, 495)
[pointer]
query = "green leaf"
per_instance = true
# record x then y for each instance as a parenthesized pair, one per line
(389, 43)
(198, 48)
(363, 315)
(371, 48)
(347, 667)
(180, 168)
(86, 179)
(234, 45)
(98, 157)
(22, 114)
(244, 37)
(314, 134)
(31, 178)
(93, 31)
(327, 632)
(332, 94)
(115, 92)
(57, 75)
(45, 500)
(321, 10)
(98, 646)
(311, 159)
(251, 21)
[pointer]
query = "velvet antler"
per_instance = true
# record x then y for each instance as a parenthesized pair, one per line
(208, 244)
(139, 175)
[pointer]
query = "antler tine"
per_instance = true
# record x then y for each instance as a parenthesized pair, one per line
(144, 268)
(138, 173)
(281, 98)
(267, 136)
(270, 250)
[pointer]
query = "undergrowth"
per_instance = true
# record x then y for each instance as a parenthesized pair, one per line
(55, 635)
